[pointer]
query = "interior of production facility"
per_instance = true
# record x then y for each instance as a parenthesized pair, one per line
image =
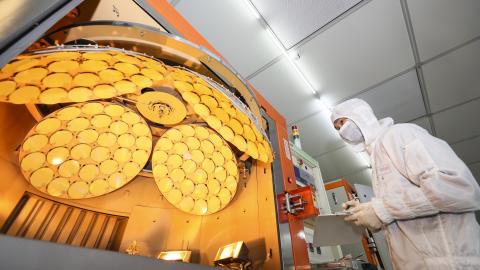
(246, 134)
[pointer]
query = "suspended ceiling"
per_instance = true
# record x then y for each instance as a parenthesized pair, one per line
(416, 61)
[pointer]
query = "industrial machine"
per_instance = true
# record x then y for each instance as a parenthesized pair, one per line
(123, 129)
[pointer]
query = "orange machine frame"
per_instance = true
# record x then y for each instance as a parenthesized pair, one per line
(182, 26)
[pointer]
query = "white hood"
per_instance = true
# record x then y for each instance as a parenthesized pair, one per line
(362, 114)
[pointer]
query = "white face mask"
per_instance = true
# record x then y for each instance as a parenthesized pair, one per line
(351, 132)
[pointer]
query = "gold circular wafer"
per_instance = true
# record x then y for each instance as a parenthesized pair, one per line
(63, 66)
(53, 95)
(33, 75)
(7, 87)
(93, 66)
(57, 80)
(24, 94)
(94, 163)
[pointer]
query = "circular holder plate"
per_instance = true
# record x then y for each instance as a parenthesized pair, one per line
(76, 155)
(193, 169)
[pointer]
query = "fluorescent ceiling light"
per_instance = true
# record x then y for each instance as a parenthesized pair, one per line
(280, 46)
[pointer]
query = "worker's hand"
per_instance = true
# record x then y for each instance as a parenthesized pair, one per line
(364, 215)
(350, 204)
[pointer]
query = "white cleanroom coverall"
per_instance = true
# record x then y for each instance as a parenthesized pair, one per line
(424, 194)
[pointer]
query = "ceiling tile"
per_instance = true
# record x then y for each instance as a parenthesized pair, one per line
(475, 168)
(294, 20)
(424, 123)
(233, 30)
(452, 124)
(341, 162)
(442, 24)
(365, 48)
(468, 150)
(318, 135)
(399, 98)
(283, 88)
(453, 78)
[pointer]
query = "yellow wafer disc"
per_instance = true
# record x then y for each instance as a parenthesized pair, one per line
(107, 139)
(186, 204)
(53, 96)
(252, 150)
(173, 135)
(61, 138)
(200, 191)
(48, 125)
(57, 156)
(104, 91)
(87, 136)
(58, 187)
(191, 97)
(81, 151)
(127, 59)
(80, 94)
(41, 177)
(33, 75)
(200, 207)
(126, 68)
(78, 124)
(86, 79)
(69, 168)
(68, 113)
(25, 94)
(101, 121)
(213, 204)
(92, 108)
(125, 87)
(63, 66)
(108, 166)
(110, 75)
(141, 81)
(224, 196)
(88, 172)
(20, 65)
(7, 87)
(99, 187)
(220, 174)
(78, 190)
(165, 185)
(213, 122)
(182, 86)
(240, 143)
(201, 110)
(93, 66)
(97, 56)
(209, 101)
(152, 74)
(57, 80)
(218, 159)
(114, 110)
(202, 89)
(64, 56)
(32, 161)
(118, 127)
(236, 126)
(35, 143)
(222, 115)
(226, 133)
(174, 196)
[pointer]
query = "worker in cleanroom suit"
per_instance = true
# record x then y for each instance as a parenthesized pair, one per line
(425, 196)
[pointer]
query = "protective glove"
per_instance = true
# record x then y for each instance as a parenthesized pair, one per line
(363, 214)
